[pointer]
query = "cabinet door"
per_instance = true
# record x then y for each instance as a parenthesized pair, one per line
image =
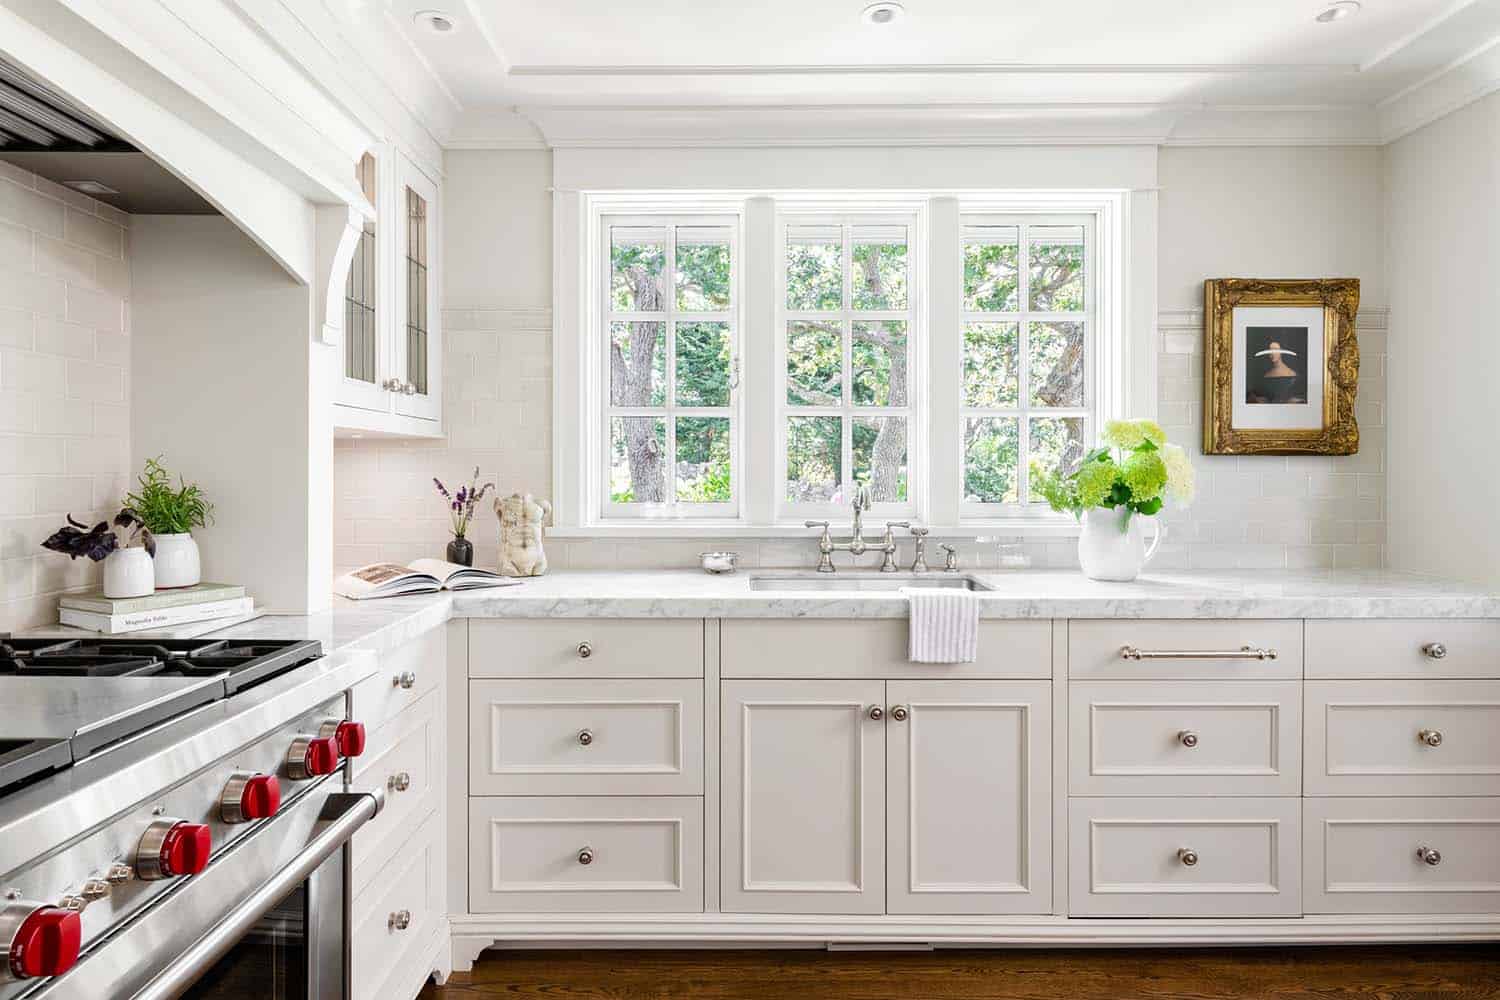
(418, 342)
(969, 810)
(367, 348)
(803, 804)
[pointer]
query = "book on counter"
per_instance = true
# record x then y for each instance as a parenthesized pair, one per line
(96, 603)
(423, 576)
(156, 617)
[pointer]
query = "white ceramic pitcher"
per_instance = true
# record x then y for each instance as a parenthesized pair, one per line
(1113, 543)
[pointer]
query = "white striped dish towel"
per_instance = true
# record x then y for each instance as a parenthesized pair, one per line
(944, 625)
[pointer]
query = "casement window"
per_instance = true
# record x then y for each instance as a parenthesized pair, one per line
(846, 387)
(741, 363)
(670, 369)
(1028, 354)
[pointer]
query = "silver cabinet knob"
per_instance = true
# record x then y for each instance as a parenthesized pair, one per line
(1187, 738)
(1187, 856)
(406, 680)
(585, 738)
(586, 856)
(1431, 737)
(899, 713)
(391, 385)
(399, 920)
(1429, 855)
(1435, 650)
(876, 713)
(400, 781)
(585, 650)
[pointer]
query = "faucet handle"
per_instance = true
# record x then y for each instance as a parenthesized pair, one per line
(950, 560)
(917, 530)
(817, 524)
(897, 524)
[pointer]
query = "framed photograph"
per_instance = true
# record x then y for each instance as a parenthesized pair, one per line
(1280, 366)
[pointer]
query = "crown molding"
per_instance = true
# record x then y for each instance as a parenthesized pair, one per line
(1470, 78)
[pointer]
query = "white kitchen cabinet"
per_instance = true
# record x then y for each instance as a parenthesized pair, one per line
(803, 775)
(969, 809)
(390, 375)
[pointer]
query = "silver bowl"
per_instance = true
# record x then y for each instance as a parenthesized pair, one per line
(719, 562)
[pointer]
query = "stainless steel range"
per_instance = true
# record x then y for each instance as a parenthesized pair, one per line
(174, 818)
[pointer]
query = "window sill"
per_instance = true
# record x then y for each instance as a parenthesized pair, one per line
(1064, 527)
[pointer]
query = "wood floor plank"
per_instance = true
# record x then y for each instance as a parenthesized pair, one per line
(1420, 972)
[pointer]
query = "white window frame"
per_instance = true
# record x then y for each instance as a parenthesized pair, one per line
(912, 218)
(1026, 505)
(672, 509)
(1123, 375)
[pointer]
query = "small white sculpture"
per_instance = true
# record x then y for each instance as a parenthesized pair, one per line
(522, 519)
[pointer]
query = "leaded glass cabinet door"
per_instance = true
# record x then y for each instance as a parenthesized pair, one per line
(366, 350)
(418, 345)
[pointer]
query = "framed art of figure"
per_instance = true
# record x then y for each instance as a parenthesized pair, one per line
(1280, 366)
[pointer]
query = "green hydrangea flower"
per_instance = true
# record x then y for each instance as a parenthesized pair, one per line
(1146, 475)
(1095, 482)
(1128, 435)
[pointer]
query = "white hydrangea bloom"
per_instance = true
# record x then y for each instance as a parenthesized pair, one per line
(1181, 483)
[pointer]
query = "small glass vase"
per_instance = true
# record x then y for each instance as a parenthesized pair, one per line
(461, 551)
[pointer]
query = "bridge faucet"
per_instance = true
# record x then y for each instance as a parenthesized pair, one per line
(857, 545)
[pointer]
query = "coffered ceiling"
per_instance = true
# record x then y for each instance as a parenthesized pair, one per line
(1098, 67)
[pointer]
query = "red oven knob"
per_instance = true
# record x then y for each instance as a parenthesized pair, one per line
(348, 736)
(311, 756)
(171, 847)
(45, 941)
(249, 796)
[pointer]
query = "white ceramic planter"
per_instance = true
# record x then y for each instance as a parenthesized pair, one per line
(129, 573)
(1113, 544)
(177, 563)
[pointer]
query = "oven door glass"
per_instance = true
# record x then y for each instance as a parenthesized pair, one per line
(296, 951)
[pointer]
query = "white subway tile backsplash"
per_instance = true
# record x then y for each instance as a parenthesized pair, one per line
(1252, 511)
(64, 425)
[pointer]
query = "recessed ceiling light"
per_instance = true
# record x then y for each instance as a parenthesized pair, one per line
(1338, 11)
(435, 21)
(90, 187)
(883, 13)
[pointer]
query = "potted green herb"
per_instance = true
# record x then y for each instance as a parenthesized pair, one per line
(171, 514)
(1133, 473)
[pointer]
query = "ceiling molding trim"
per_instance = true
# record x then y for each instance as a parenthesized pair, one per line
(944, 69)
(1473, 78)
(1406, 41)
(565, 127)
(481, 24)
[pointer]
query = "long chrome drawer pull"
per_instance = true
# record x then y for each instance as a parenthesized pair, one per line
(1243, 653)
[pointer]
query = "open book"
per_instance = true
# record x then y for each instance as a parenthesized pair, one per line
(423, 576)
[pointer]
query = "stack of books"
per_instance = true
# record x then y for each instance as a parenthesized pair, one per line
(166, 609)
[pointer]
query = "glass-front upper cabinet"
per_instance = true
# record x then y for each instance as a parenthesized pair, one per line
(417, 335)
(391, 368)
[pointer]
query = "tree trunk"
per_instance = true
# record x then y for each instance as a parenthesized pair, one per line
(889, 451)
(630, 385)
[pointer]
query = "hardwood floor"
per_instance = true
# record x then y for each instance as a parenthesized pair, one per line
(1419, 972)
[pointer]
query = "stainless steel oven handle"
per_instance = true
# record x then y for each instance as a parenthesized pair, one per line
(344, 812)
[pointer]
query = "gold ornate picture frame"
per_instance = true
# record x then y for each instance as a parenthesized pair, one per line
(1280, 366)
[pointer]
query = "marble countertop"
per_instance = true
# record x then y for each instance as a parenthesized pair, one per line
(385, 624)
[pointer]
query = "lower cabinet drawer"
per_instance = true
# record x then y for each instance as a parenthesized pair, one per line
(401, 758)
(585, 855)
(1403, 738)
(577, 737)
(397, 921)
(1185, 738)
(1402, 855)
(1184, 857)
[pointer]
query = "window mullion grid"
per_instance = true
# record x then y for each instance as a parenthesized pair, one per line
(1023, 368)
(669, 277)
(846, 346)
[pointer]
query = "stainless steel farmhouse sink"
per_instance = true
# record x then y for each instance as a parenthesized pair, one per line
(863, 582)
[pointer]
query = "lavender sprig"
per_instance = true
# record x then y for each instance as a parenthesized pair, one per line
(463, 503)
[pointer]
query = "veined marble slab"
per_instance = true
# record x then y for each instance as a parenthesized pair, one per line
(381, 625)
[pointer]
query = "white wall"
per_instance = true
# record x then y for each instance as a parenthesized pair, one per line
(223, 362)
(1442, 205)
(1272, 212)
(64, 384)
(1282, 212)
